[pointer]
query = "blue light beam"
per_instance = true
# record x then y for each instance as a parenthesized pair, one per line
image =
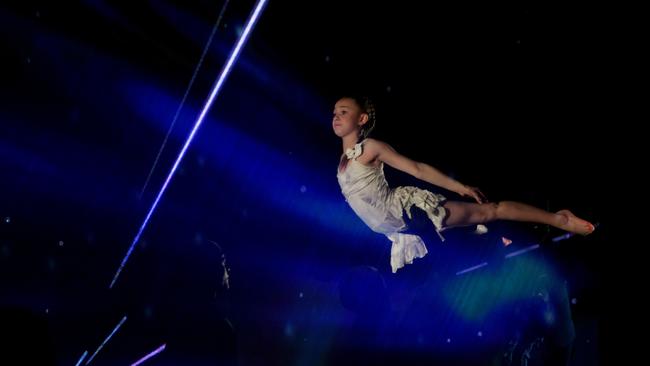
(82, 358)
(106, 340)
(151, 354)
(215, 90)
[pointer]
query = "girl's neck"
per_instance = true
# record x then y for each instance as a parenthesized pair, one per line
(349, 141)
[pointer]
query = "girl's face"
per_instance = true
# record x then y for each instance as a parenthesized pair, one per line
(348, 117)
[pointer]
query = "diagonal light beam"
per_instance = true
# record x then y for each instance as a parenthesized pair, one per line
(215, 90)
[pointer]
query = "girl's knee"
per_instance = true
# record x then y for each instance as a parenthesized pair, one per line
(490, 211)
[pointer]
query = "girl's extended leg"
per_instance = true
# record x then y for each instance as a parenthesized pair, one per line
(464, 213)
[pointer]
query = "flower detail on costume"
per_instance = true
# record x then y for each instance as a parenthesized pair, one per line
(354, 153)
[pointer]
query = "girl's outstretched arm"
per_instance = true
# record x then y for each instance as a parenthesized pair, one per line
(422, 171)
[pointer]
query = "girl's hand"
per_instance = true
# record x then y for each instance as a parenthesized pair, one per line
(472, 192)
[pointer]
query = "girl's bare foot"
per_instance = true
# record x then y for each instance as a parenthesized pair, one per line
(574, 224)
